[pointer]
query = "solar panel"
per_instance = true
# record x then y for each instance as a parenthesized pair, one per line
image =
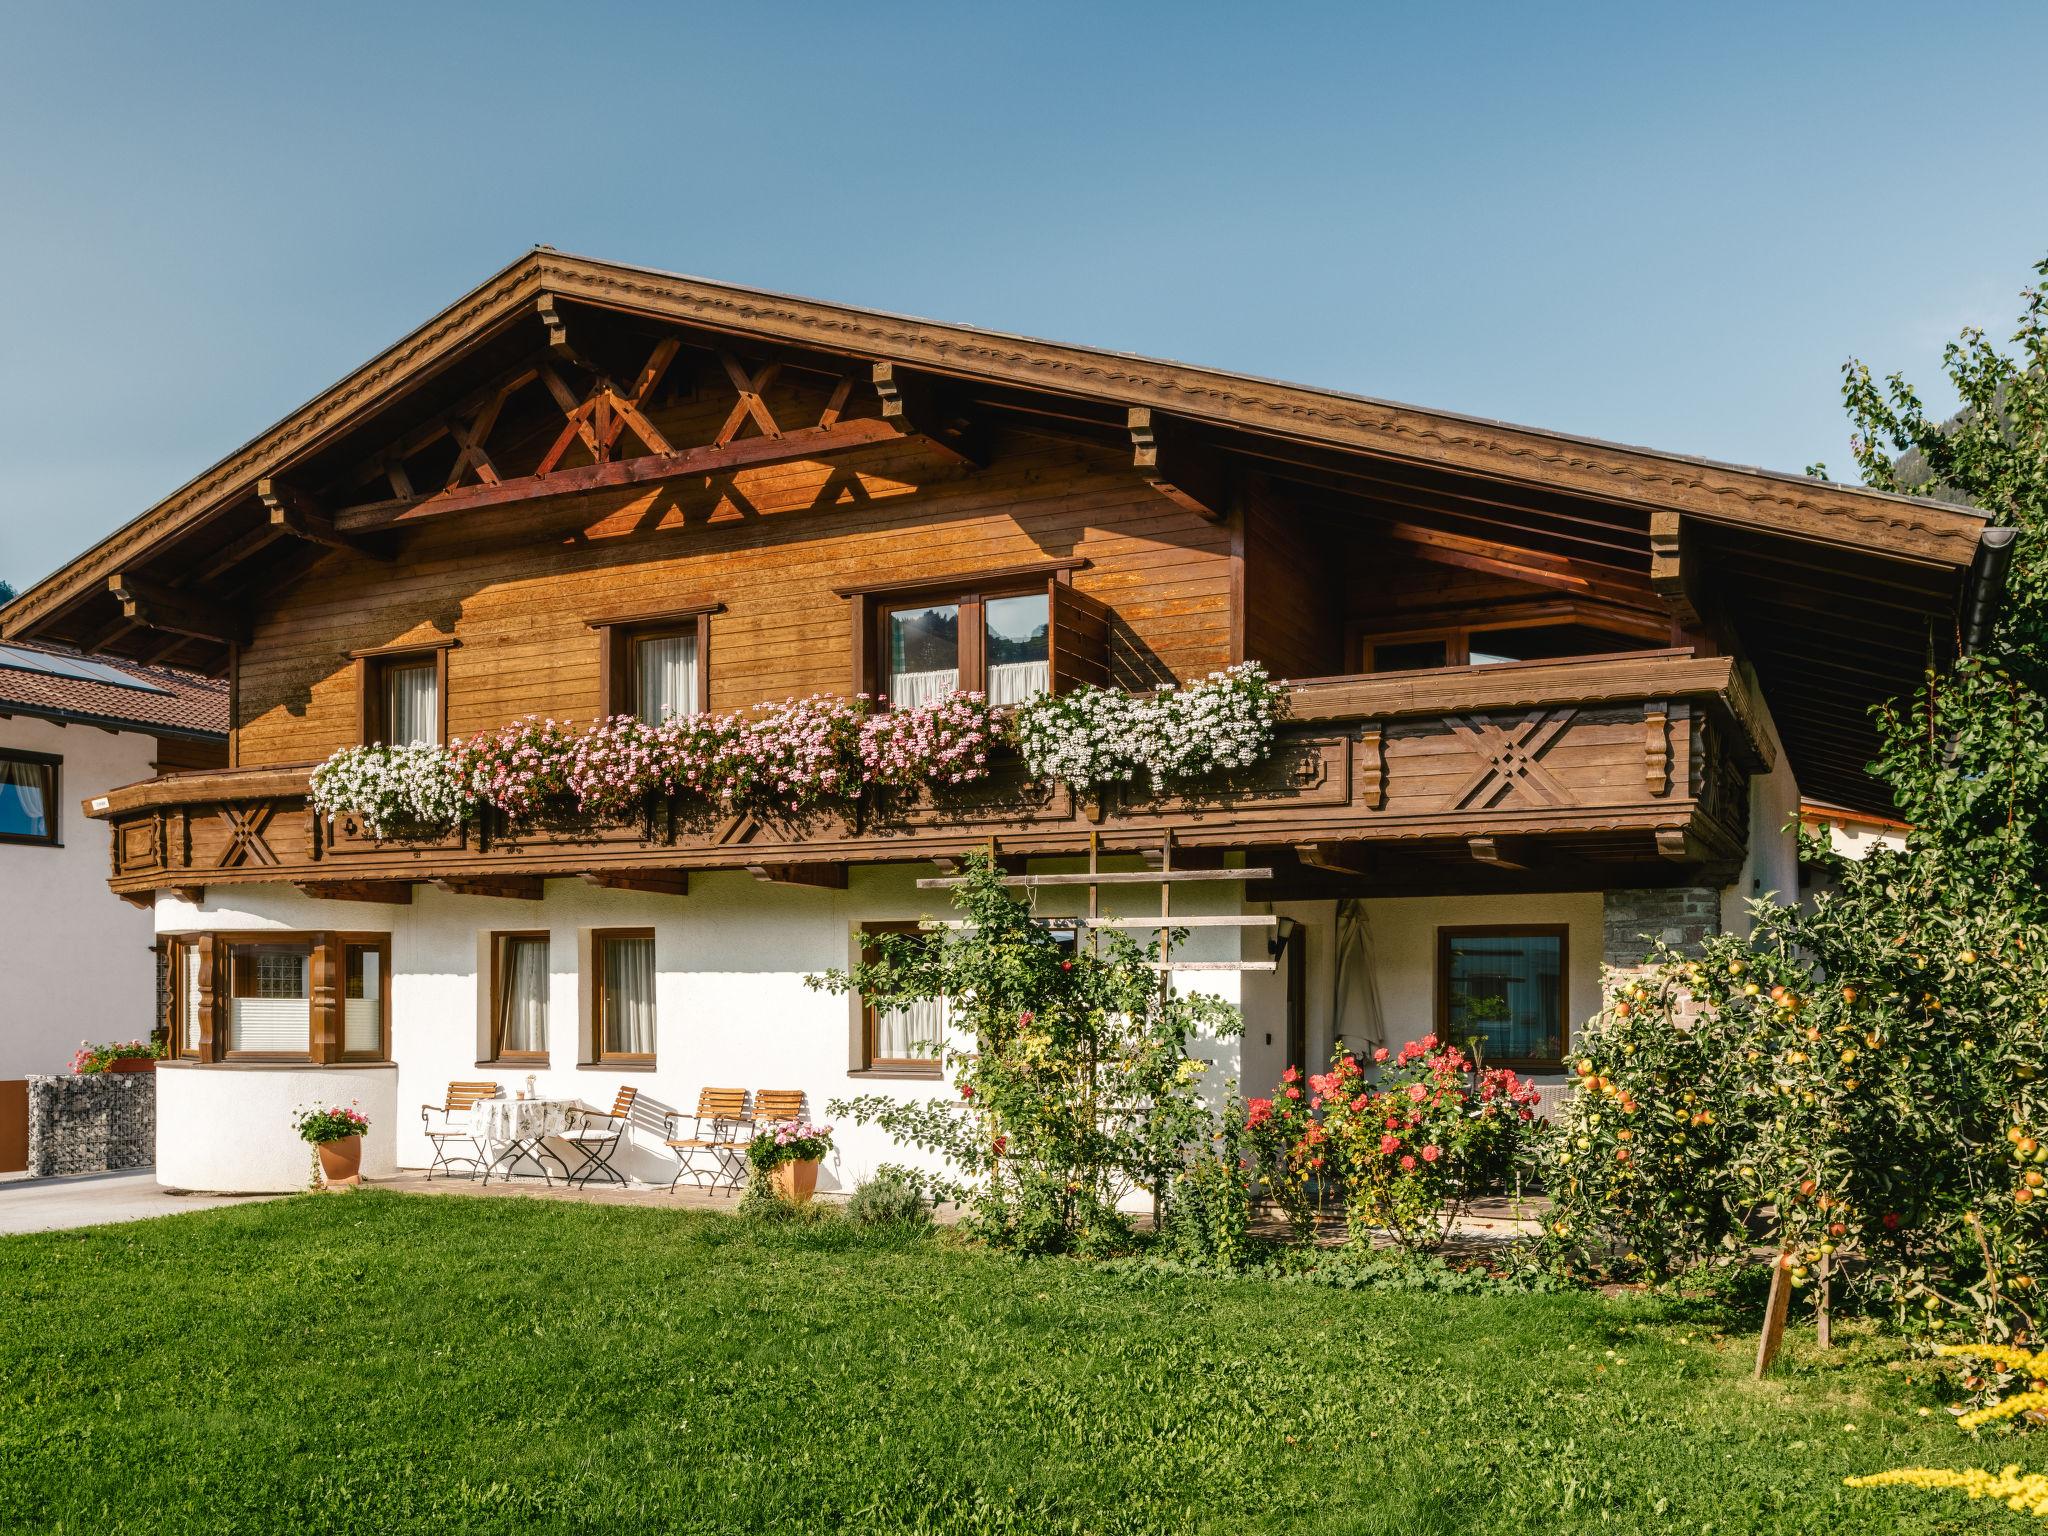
(51, 664)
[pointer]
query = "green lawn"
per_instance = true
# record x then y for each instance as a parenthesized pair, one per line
(384, 1363)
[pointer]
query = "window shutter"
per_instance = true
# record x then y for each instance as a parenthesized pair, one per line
(1080, 639)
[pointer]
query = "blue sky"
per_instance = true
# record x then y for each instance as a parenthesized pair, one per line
(1657, 223)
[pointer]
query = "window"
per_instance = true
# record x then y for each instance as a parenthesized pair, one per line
(904, 1041)
(622, 1001)
(365, 999)
(519, 997)
(656, 666)
(28, 797)
(1506, 987)
(270, 999)
(1000, 646)
(188, 1040)
(1548, 634)
(403, 695)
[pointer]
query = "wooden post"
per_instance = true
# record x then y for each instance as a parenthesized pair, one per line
(1824, 1335)
(1774, 1317)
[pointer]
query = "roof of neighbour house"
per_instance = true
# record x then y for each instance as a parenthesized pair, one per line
(61, 684)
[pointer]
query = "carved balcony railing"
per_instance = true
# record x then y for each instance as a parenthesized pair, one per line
(1649, 754)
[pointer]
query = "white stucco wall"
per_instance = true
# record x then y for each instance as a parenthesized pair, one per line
(75, 960)
(732, 1009)
(1771, 866)
(232, 1130)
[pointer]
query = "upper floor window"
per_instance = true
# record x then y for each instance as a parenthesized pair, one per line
(1489, 645)
(404, 695)
(28, 797)
(1009, 634)
(655, 667)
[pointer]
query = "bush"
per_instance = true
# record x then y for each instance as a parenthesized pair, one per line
(893, 1197)
(1209, 1223)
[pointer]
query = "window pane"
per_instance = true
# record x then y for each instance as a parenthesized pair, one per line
(362, 1003)
(1541, 642)
(1019, 647)
(271, 1009)
(1408, 655)
(924, 653)
(412, 706)
(629, 996)
(664, 677)
(26, 791)
(1505, 988)
(522, 995)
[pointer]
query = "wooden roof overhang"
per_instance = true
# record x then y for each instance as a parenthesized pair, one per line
(1839, 594)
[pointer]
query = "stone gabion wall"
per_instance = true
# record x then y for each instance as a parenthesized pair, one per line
(92, 1123)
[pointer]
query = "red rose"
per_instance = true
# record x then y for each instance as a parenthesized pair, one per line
(1407, 1165)
(1389, 1145)
(1431, 1154)
(1293, 1092)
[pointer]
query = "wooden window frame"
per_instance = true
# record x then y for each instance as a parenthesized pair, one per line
(599, 1056)
(370, 669)
(913, 1068)
(52, 817)
(618, 637)
(499, 1056)
(190, 952)
(225, 945)
(381, 943)
(1458, 634)
(970, 592)
(1559, 931)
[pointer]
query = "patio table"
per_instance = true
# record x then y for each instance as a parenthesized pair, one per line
(508, 1131)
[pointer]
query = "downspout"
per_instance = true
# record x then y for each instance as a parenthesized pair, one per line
(1987, 585)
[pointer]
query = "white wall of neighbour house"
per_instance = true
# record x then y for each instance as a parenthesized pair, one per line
(732, 1006)
(75, 960)
(1770, 868)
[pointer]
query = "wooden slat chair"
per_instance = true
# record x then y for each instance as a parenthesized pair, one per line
(715, 1151)
(455, 1112)
(778, 1106)
(595, 1136)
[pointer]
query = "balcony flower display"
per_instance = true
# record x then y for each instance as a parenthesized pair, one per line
(943, 743)
(1092, 738)
(524, 769)
(391, 791)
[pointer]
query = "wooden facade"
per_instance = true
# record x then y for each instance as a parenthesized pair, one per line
(1523, 661)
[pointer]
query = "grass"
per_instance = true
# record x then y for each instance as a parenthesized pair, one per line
(384, 1363)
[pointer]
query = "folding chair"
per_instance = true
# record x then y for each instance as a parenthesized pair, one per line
(595, 1137)
(715, 1151)
(778, 1106)
(455, 1127)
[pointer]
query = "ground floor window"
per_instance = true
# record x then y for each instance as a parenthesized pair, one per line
(623, 998)
(270, 999)
(365, 999)
(519, 994)
(901, 1041)
(316, 997)
(1504, 987)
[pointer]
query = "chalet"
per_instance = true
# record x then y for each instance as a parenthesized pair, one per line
(1549, 696)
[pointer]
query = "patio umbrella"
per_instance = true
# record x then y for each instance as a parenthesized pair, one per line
(1356, 1022)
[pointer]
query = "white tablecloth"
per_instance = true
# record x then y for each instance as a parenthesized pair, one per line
(497, 1123)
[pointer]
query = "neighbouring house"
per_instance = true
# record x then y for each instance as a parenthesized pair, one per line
(1551, 696)
(73, 728)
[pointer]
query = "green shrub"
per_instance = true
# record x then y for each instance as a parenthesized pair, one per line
(893, 1197)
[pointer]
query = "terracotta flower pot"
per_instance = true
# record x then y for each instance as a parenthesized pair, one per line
(132, 1064)
(341, 1162)
(797, 1182)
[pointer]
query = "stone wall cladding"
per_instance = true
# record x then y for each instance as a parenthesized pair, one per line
(91, 1123)
(1683, 916)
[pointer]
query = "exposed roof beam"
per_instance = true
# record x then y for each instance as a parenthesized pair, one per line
(508, 887)
(295, 513)
(1178, 465)
(658, 882)
(1487, 850)
(394, 893)
(911, 408)
(1537, 567)
(179, 613)
(826, 877)
(803, 443)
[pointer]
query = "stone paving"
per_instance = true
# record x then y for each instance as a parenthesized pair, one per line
(96, 1199)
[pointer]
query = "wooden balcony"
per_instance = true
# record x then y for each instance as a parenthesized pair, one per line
(1538, 775)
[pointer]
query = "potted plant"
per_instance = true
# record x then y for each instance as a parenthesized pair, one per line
(117, 1056)
(337, 1136)
(788, 1156)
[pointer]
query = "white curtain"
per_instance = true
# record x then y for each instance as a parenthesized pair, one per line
(24, 798)
(412, 710)
(909, 689)
(362, 1010)
(629, 996)
(188, 1010)
(523, 999)
(667, 683)
(913, 1032)
(1014, 682)
(277, 1015)
(1356, 1022)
